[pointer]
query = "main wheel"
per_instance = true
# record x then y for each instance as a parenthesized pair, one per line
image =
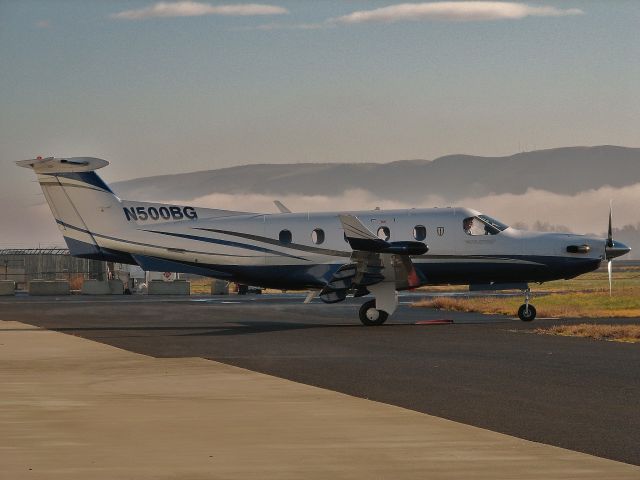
(526, 315)
(370, 315)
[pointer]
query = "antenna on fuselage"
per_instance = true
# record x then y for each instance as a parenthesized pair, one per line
(281, 206)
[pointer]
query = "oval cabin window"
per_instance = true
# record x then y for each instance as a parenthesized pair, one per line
(285, 236)
(317, 236)
(419, 232)
(384, 233)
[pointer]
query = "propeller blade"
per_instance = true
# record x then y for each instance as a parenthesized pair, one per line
(610, 231)
(609, 270)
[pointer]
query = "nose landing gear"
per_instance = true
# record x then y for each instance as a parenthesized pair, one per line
(526, 312)
(370, 315)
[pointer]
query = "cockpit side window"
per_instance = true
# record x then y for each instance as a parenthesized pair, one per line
(498, 225)
(482, 225)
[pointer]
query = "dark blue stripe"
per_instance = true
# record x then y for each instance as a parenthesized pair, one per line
(227, 243)
(91, 178)
(155, 264)
(60, 222)
(271, 241)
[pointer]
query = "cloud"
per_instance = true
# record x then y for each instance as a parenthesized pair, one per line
(195, 9)
(464, 11)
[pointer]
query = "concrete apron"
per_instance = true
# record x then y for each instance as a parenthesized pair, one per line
(76, 409)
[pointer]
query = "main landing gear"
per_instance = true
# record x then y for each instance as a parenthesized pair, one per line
(527, 312)
(375, 312)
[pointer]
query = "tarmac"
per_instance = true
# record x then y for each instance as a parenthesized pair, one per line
(76, 408)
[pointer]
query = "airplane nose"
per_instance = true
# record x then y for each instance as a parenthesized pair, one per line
(616, 249)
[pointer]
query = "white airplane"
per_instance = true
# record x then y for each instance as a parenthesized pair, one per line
(331, 253)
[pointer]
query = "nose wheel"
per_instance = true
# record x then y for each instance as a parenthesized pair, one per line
(370, 315)
(527, 312)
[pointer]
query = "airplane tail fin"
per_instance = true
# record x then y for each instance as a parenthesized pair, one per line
(82, 204)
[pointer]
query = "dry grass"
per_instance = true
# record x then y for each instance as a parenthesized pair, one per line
(614, 333)
(585, 296)
(598, 304)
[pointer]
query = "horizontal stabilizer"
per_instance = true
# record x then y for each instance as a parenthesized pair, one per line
(61, 165)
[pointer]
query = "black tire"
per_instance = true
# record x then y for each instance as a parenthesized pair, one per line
(527, 316)
(382, 315)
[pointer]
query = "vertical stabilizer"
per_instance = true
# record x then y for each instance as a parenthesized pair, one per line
(83, 205)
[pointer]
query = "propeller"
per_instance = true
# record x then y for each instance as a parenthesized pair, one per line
(609, 269)
(610, 245)
(613, 249)
(610, 231)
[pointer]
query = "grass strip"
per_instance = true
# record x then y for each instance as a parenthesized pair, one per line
(624, 303)
(613, 333)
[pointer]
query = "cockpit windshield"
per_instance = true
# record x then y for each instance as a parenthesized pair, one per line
(482, 225)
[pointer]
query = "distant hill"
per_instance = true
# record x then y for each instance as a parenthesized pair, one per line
(560, 170)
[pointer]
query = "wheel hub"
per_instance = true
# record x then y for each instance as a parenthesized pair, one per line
(373, 314)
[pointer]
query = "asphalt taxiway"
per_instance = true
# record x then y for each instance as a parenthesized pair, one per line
(486, 371)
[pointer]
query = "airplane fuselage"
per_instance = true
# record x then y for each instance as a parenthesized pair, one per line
(251, 248)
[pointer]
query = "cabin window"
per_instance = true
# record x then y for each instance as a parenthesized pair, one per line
(285, 236)
(419, 232)
(317, 236)
(384, 233)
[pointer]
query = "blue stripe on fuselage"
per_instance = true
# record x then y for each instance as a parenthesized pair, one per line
(98, 235)
(228, 243)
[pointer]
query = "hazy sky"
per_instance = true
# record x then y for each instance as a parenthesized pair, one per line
(171, 87)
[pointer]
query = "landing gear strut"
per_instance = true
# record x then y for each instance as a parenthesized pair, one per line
(527, 312)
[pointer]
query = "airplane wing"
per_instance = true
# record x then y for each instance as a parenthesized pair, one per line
(373, 261)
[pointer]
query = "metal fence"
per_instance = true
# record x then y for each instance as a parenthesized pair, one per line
(24, 265)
